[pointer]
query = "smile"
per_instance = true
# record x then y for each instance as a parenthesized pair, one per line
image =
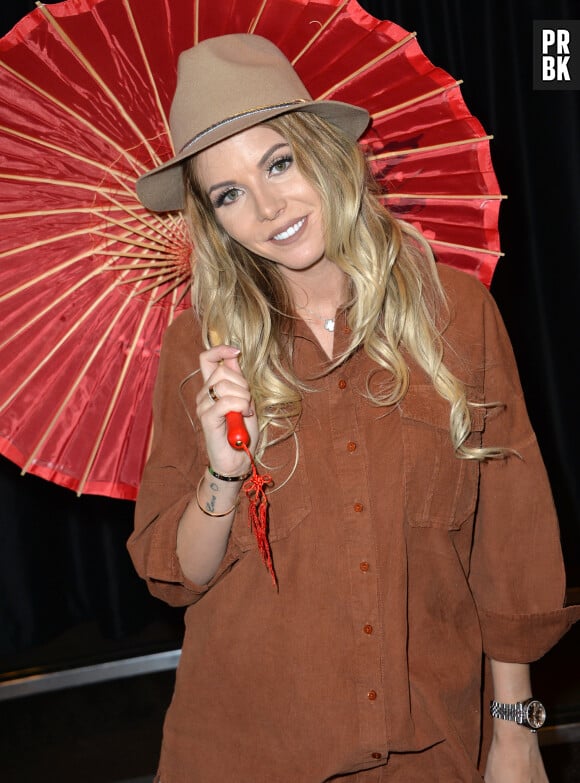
(290, 231)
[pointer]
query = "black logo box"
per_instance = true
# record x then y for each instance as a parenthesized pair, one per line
(557, 54)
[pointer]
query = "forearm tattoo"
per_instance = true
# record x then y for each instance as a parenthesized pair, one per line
(210, 505)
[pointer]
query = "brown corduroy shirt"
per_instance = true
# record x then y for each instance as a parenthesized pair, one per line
(399, 566)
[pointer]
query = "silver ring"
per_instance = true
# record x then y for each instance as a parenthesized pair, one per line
(213, 394)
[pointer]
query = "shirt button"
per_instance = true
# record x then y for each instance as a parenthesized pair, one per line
(358, 507)
(364, 566)
(372, 695)
(351, 446)
(342, 384)
(377, 755)
(368, 629)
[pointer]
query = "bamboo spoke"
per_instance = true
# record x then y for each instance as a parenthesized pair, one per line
(48, 273)
(59, 411)
(445, 196)
(379, 115)
(128, 240)
(91, 70)
(152, 82)
(30, 213)
(195, 22)
(54, 304)
(137, 165)
(430, 148)
(172, 289)
(320, 30)
(58, 345)
(467, 248)
(114, 397)
(382, 56)
(255, 21)
(125, 180)
(81, 232)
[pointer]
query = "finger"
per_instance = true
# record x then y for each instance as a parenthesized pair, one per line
(211, 359)
(222, 395)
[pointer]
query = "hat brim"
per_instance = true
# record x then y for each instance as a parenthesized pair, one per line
(161, 189)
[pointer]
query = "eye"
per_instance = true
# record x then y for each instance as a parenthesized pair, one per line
(280, 165)
(226, 197)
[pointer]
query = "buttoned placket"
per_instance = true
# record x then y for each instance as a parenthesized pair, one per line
(361, 560)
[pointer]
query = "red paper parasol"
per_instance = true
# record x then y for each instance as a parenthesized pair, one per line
(89, 280)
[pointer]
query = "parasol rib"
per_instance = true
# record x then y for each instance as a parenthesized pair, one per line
(159, 277)
(165, 223)
(430, 148)
(152, 82)
(114, 397)
(48, 212)
(320, 30)
(467, 248)
(51, 424)
(195, 22)
(64, 183)
(59, 268)
(256, 19)
(446, 196)
(102, 84)
(172, 289)
(160, 263)
(89, 311)
(138, 166)
(45, 243)
(399, 107)
(38, 142)
(129, 240)
(53, 304)
(382, 56)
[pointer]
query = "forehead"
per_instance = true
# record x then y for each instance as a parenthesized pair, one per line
(242, 151)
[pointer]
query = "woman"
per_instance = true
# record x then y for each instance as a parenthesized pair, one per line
(409, 513)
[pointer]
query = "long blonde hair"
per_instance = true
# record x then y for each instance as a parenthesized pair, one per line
(395, 305)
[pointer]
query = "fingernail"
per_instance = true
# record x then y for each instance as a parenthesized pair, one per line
(234, 349)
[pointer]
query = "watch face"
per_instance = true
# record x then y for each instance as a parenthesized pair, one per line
(535, 714)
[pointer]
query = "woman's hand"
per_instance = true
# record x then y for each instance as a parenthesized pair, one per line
(514, 756)
(221, 373)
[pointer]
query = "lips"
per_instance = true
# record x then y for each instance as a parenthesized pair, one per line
(289, 232)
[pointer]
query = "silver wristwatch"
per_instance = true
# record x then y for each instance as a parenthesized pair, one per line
(530, 713)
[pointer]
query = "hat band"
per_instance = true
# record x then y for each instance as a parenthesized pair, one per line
(237, 117)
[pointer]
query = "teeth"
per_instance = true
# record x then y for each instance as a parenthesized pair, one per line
(290, 231)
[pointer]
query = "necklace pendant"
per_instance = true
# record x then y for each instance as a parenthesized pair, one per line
(329, 324)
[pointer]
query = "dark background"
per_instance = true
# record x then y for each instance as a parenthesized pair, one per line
(63, 563)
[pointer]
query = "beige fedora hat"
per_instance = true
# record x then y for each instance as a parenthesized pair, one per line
(225, 85)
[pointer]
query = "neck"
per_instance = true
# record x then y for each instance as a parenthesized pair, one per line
(322, 294)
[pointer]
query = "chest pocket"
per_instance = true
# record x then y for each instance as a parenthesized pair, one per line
(288, 499)
(440, 488)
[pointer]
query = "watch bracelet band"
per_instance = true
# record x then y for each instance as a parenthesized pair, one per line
(520, 713)
(514, 712)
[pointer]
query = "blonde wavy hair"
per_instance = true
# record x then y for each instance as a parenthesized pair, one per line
(395, 303)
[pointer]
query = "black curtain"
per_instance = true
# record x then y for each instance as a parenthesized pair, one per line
(63, 559)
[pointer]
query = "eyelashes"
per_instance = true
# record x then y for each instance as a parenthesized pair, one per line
(230, 195)
(224, 197)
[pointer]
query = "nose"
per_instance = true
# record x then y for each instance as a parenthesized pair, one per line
(269, 203)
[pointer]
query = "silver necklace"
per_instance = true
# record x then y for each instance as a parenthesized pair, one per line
(328, 323)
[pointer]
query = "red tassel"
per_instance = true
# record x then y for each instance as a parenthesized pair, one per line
(257, 513)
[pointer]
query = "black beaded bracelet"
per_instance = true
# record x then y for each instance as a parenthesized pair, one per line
(228, 478)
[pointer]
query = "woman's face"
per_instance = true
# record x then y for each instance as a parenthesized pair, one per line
(263, 201)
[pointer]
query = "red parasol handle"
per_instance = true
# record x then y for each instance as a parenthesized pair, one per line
(237, 433)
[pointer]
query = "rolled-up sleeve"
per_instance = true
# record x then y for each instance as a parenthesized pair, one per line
(516, 574)
(172, 471)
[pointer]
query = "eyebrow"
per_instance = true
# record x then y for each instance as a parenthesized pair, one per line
(228, 184)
